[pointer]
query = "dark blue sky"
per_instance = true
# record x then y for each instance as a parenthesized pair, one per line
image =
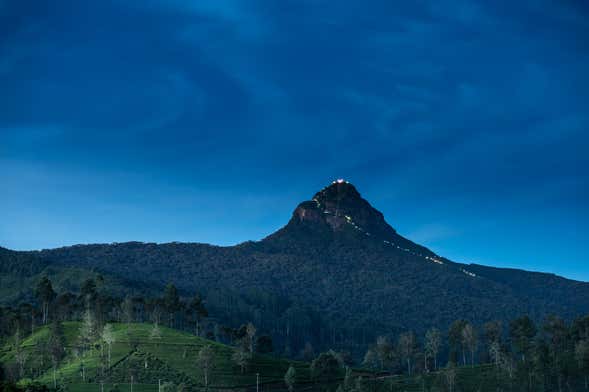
(465, 123)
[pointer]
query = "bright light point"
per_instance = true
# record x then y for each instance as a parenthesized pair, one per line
(340, 181)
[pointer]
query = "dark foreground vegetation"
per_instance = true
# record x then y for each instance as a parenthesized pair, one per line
(91, 340)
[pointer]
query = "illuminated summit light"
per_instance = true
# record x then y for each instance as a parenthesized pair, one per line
(340, 181)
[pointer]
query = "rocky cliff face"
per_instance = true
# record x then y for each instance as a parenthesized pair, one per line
(340, 209)
(340, 205)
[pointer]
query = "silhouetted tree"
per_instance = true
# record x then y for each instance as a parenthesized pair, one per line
(582, 357)
(522, 332)
(407, 348)
(384, 351)
(45, 295)
(433, 343)
(198, 311)
(171, 302)
(455, 340)
(470, 340)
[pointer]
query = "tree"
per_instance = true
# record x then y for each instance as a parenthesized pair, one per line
(20, 355)
(127, 309)
(87, 330)
(492, 333)
(495, 353)
(470, 340)
(82, 369)
(541, 361)
(198, 310)
(407, 348)
(556, 330)
(348, 384)
(171, 302)
(155, 334)
(522, 332)
(168, 386)
(155, 307)
(205, 359)
(250, 334)
(371, 359)
(64, 304)
(580, 329)
(45, 295)
(582, 357)
(88, 291)
(241, 357)
(384, 351)
(56, 345)
(108, 338)
(507, 365)
(290, 378)
(433, 342)
(455, 340)
(326, 366)
(449, 376)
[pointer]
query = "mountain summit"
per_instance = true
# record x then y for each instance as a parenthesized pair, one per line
(339, 213)
(339, 205)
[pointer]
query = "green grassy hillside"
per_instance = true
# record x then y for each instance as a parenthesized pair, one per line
(170, 358)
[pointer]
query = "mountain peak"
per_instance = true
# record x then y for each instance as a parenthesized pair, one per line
(338, 190)
(340, 206)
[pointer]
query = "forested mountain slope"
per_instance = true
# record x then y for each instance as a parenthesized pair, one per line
(337, 273)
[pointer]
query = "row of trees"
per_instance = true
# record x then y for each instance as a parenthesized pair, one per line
(523, 356)
(552, 355)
